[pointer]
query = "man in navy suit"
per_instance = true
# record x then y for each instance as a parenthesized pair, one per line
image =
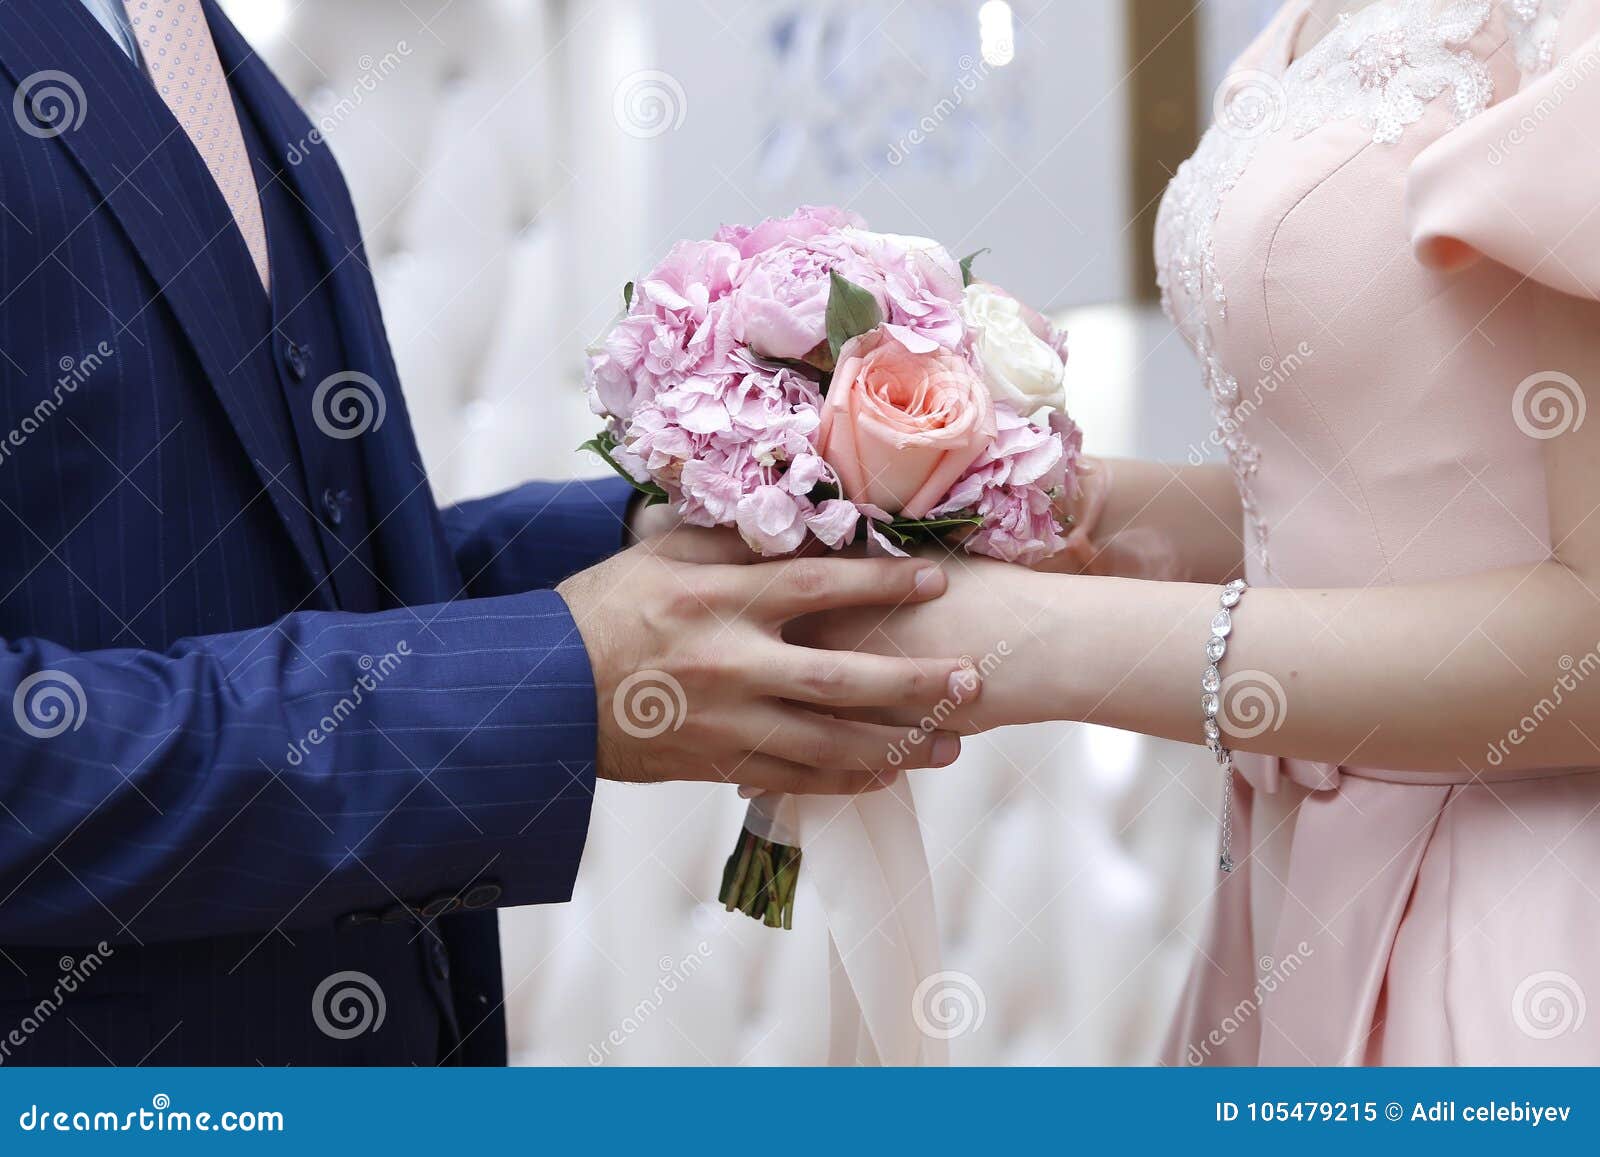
(283, 733)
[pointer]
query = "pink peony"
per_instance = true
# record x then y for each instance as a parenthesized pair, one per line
(804, 223)
(779, 304)
(917, 283)
(780, 300)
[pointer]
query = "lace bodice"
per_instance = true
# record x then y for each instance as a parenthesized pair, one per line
(1385, 63)
(1534, 25)
(1382, 67)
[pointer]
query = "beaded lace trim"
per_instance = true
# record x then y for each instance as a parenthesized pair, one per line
(1183, 241)
(1385, 63)
(1382, 64)
(1533, 25)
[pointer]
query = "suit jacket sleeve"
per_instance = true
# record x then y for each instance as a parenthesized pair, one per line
(538, 534)
(327, 766)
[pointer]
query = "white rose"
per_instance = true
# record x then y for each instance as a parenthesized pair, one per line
(1018, 366)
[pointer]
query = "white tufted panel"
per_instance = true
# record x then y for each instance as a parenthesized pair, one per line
(1070, 862)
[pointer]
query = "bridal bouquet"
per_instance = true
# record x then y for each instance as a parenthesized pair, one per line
(804, 380)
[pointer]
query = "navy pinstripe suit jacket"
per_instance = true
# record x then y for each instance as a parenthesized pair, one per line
(232, 791)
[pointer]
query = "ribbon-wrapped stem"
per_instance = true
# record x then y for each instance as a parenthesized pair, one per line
(760, 878)
(763, 872)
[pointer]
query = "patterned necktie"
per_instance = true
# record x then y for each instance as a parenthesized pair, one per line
(183, 63)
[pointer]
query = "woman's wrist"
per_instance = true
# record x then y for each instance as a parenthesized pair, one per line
(1097, 637)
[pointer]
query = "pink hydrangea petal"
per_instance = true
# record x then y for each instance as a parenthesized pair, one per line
(770, 522)
(834, 522)
(804, 473)
(915, 342)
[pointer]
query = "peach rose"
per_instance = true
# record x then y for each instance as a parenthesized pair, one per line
(901, 427)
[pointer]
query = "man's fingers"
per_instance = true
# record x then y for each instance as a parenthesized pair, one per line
(910, 719)
(821, 741)
(700, 544)
(784, 590)
(851, 679)
(758, 773)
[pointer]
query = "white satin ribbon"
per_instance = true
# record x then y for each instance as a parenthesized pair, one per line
(866, 861)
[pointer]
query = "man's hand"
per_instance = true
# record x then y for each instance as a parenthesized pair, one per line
(694, 682)
(645, 522)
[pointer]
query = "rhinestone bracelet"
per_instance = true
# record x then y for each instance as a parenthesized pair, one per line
(1211, 704)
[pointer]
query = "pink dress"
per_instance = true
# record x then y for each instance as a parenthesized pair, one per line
(1363, 253)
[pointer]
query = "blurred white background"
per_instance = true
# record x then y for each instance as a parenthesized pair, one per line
(513, 163)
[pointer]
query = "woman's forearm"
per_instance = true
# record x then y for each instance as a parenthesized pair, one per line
(1494, 670)
(1155, 520)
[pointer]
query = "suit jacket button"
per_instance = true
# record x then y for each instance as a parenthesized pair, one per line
(483, 896)
(439, 906)
(333, 503)
(295, 355)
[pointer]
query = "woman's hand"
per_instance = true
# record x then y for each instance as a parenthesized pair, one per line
(1081, 513)
(986, 615)
(1150, 520)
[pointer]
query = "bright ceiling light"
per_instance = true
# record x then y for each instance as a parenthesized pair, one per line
(996, 33)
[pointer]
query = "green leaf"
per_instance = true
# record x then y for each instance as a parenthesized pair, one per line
(605, 442)
(912, 525)
(627, 296)
(966, 266)
(852, 311)
(906, 531)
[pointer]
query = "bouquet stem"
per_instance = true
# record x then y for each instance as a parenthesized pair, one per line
(760, 879)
